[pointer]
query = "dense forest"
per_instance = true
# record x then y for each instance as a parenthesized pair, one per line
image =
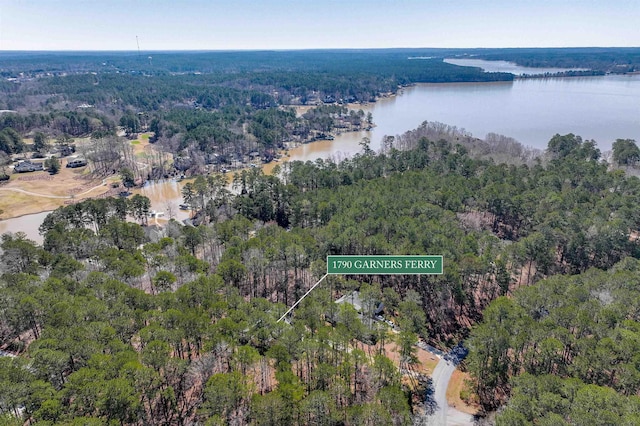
(566, 349)
(117, 321)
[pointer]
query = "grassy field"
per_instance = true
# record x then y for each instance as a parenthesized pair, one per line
(34, 192)
(28, 193)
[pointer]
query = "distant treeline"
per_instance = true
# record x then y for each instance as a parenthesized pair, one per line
(324, 61)
(379, 62)
(616, 60)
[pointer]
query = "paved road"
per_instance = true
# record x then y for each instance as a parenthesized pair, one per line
(443, 414)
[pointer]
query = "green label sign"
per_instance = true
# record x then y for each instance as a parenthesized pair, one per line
(384, 265)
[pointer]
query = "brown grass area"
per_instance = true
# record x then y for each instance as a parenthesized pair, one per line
(72, 184)
(426, 360)
(140, 144)
(67, 183)
(302, 109)
(457, 384)
(145, 152)
(14, 204)
(44, 183)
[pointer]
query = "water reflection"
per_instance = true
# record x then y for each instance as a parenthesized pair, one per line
(166, 197)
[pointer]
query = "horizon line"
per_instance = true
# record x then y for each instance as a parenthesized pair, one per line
(301, 49)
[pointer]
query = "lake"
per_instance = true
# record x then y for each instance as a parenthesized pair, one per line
(28, 224)
(529, 110)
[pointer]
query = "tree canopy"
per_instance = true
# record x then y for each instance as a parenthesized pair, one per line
(116, 321)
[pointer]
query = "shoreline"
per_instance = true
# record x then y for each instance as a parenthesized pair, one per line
(29, 203)
(23, 215)
(16, 205)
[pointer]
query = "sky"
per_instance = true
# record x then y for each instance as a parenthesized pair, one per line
(312, 24)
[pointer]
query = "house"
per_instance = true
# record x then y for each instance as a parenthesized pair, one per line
(66, 150)
(212, 159)
(76, 162)
(182, 163)
(377, 308)
(27, 166)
